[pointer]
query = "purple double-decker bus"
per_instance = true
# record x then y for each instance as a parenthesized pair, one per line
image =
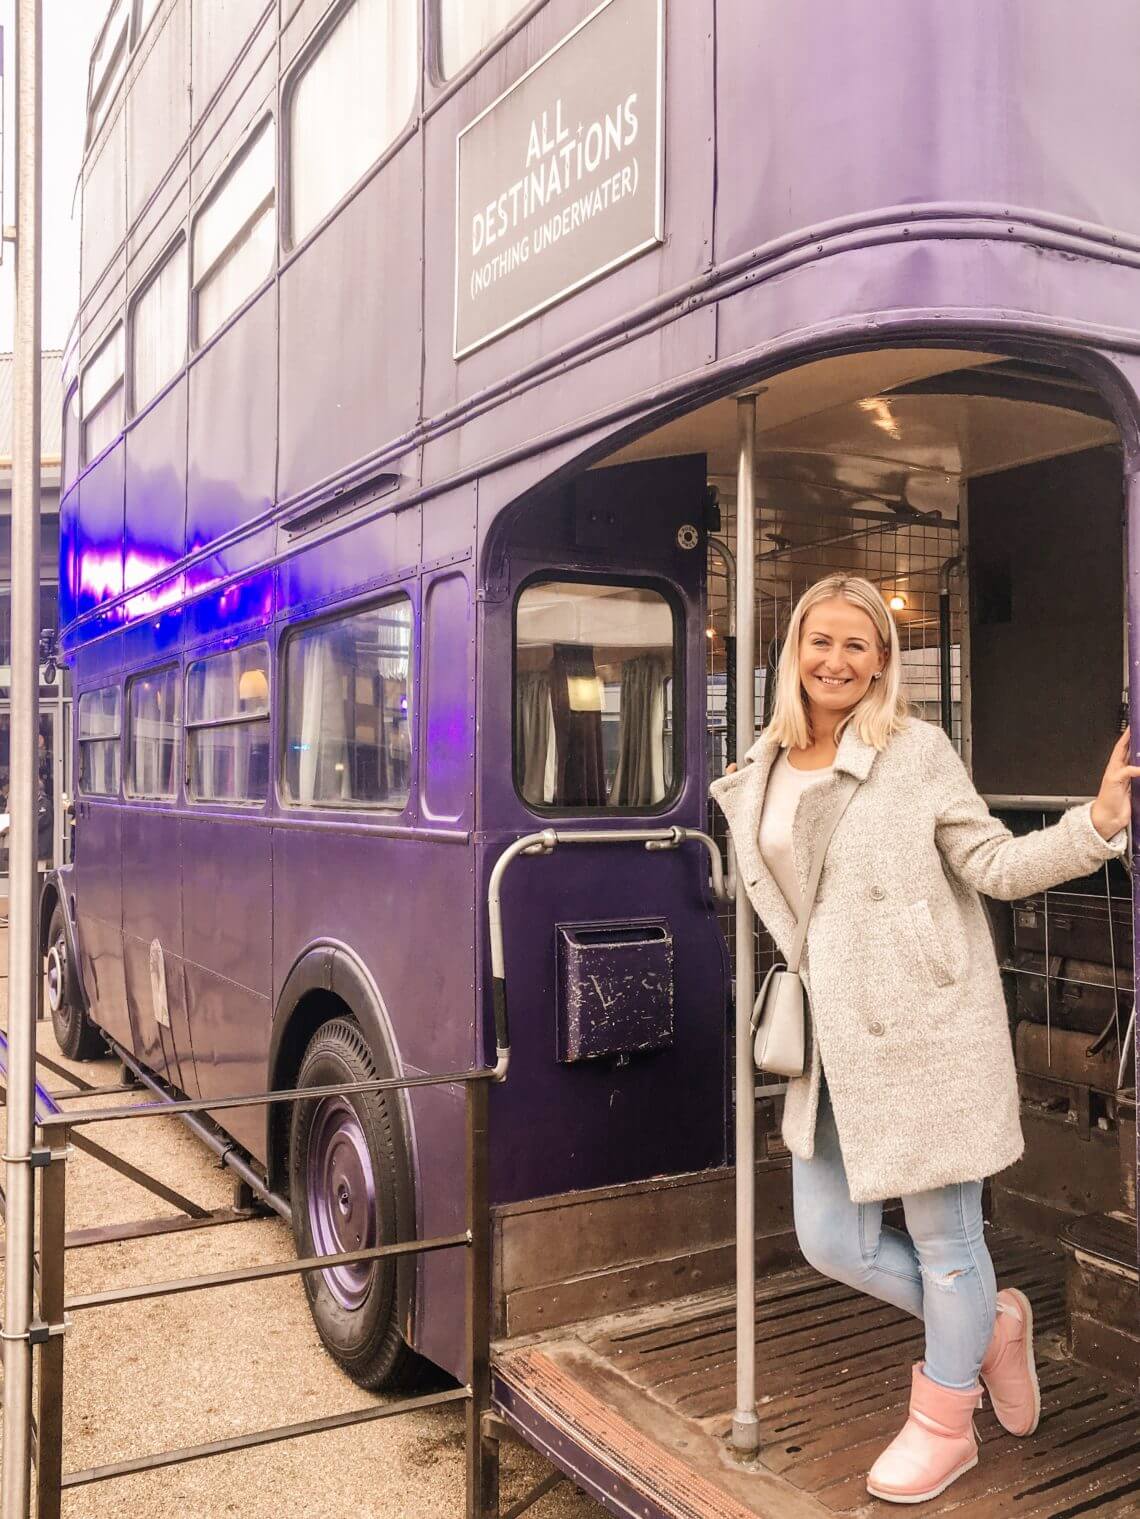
(463, 392)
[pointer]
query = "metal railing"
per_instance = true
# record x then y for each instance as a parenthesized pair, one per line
(56, 1135)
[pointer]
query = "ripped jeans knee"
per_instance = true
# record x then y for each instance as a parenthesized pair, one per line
(944, 1281)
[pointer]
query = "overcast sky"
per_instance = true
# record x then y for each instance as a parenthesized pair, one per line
(70, 27)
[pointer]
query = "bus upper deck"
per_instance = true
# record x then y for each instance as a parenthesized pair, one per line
(402, 487)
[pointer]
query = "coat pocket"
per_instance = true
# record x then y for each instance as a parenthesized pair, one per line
(928, 942)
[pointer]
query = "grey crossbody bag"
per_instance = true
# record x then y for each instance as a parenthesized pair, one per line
(781, 1011)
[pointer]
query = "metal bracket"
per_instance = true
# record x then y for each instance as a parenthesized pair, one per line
(38, 1333)
(38, 1157)
(493, 1427)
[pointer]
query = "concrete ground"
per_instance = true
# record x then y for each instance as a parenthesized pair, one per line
(204, 1366)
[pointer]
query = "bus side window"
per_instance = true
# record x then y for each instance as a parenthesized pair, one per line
(594, 696)
(108, 66)
(152, 734)
(467, 26)
(158, 328)
(99, 722)
(101, 396)
(70, 467)
(235, 234)
(347, 101)
(227, 726)
(347, 718)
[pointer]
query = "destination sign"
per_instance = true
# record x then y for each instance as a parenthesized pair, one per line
(560, 180)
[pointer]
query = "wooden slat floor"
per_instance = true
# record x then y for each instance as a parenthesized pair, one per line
(833, 1379)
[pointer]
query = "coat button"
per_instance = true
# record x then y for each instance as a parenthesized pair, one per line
(876, 1028)
(876, 893)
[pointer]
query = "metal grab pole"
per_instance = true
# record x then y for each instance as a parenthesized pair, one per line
(745, 1425)
(22, 954)
(53, 1248)
(482, 1450)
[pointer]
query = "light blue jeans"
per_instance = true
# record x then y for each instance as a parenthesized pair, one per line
(938, 1269)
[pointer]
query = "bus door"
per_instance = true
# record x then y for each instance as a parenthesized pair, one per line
(615, 967)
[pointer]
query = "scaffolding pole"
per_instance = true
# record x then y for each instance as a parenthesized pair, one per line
(23, 903)
(745, 1425)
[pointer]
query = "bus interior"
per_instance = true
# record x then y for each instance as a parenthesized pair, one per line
(983, 494)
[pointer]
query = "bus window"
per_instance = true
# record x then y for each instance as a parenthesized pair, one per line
(235, 234)
(102, 396)
(347, 732)
(70, 438)
(108, 65)
(158, 328)
(152, 732)
(466, 27)
(98, 736)
(593, 696)
(144, 10)
(347, 103)
(227, 726)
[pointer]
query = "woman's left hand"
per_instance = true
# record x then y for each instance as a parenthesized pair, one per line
(1113, 805)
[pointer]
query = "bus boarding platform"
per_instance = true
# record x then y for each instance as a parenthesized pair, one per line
(637, 1407)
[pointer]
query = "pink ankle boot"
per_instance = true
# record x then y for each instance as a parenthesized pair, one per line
(933, 1448)
(1008, 1370)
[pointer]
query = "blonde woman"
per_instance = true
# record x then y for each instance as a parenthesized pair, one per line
(910, 1090)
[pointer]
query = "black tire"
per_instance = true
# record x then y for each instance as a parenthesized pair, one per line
(75, 1034)
(331, 1143)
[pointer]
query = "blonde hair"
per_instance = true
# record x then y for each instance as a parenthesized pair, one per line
(883, 709)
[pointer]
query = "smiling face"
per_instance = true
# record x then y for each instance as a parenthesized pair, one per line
(840, 655)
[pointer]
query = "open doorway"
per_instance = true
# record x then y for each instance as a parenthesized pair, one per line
(984, 495)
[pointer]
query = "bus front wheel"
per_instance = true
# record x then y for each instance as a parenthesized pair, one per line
(76, 1035)
(342, 1170)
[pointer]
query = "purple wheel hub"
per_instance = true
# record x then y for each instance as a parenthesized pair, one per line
(342, 1197)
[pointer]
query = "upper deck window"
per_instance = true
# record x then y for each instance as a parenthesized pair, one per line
(594, 670)
(467, 26)
(152, 714)
(235, 235)
(347, 103)
(347, 730)
(158, 328)
(98, 736)
(102, 396)
(108, 65)
(144, 10)
(227, 726)
(70, 436)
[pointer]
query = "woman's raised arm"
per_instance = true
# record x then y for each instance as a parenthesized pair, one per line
(983, 852)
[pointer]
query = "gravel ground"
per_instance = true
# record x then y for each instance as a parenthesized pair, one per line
(207, 1365)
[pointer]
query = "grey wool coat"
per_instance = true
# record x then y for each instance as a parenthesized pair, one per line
(908, 1015)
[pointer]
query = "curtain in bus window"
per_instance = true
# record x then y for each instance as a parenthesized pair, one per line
(535, 755)
(98, 736)
(639, 780)
(153, 717)
(227, 717)
(602, 654)
(467, 26)
(347, 733)
(577, 699)
(349, 104)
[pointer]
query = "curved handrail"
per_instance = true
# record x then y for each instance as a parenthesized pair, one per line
(546, 842)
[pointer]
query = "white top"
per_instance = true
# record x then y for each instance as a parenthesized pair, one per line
(785, 787)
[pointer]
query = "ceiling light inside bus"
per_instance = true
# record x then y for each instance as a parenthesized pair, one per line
(584, 693)
(253, 686)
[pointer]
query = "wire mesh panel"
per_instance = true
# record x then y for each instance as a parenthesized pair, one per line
(905, 554)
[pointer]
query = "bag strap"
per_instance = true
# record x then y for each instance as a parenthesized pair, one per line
(847, 789)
